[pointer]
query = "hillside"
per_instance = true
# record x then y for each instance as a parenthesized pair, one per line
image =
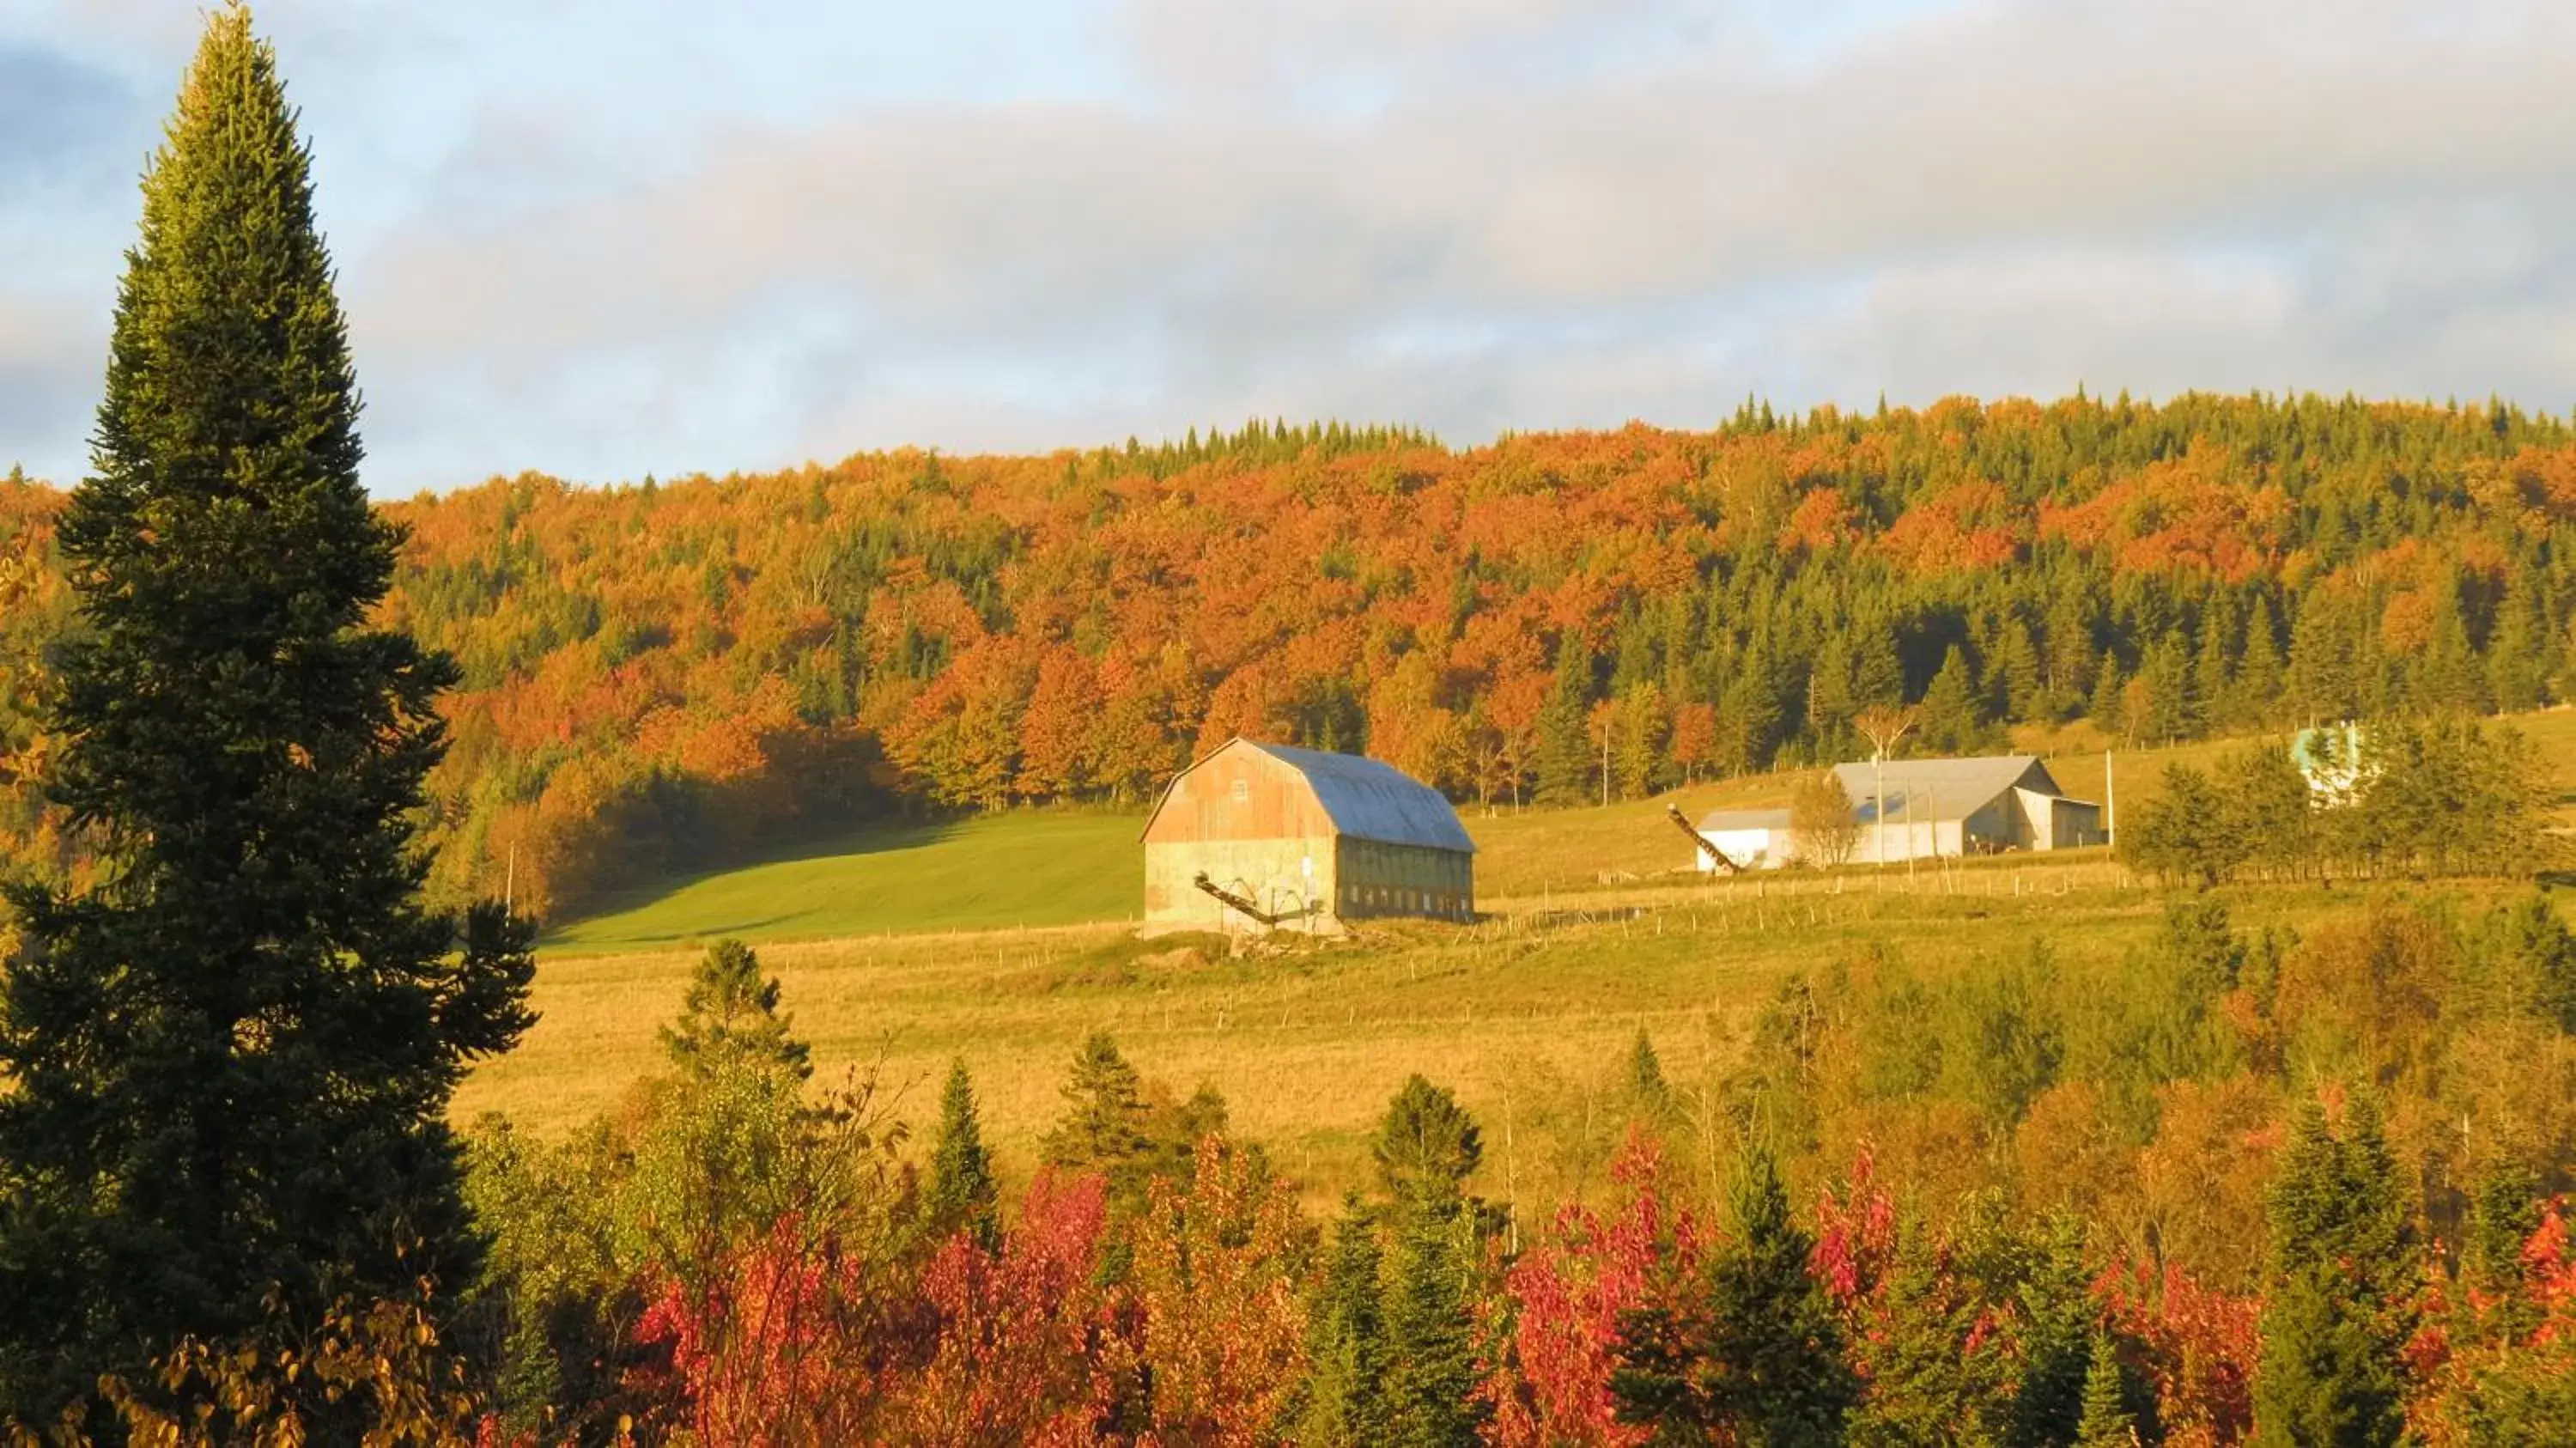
(667, 678)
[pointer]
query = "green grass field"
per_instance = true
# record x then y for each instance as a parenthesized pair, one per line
(1001, 871)
(1005, 940)
(1046, 868)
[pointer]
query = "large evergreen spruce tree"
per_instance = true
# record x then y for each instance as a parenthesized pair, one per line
(2339, 1307)
(962, 1195)
(1758, 1356)
(231, 1057)
(1345, 1399)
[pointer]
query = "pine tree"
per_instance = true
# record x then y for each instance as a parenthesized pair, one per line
(1644, 723)
(231, 1061)
(1427, 1146)
(1878, 674)
(1749, 716)
(2325, 670)
(1646, 1084)
(2058, 1339)
(1104, 1127)
(962, 1194)
(1568, 763)
(1952, 721)
(2261, 679)
(2105, 1422)
(2517, 673)
(2173, 703)
(1934, 1375)
(1345, 1396)
(731, 1015)
(1431, 1360)
(2104, 707)
(2337, 1312)
(2074, 663)
(2213, 659)
(1760, 1357)
(2017, 667)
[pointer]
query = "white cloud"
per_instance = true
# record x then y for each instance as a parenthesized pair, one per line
(1500, 213)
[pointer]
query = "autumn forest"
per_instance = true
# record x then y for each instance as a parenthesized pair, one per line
(2250, 1119)
(662, 674)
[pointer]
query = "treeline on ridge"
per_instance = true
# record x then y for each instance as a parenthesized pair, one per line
(661, 674)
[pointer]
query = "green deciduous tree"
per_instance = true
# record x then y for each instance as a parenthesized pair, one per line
(232, 1058)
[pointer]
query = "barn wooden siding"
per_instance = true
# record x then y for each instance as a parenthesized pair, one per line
(1296, 832)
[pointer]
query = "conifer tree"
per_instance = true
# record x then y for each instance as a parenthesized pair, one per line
(231, 1059)
(1878, 675)
(2024, 699)
(2105, 1421)
(2213, 659)
(1646, 1084)
(1759, 1357)
(1749, 716)
(2517, 665)
(1568, 762)
(730, 1015)
(2073, 664)
(2059, 1337)
(1427, 1146)
(2338, 1309)
(2325, 671)
(1934, 1375)
(2173, 703)
(2104, 706)
(1104, 1126)
(1431, 1367)
(962, 1194)
(1345, 1397)
(1952, 721)
(2260, 682)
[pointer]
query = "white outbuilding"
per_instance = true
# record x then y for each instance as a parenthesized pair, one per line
(1919, 808)
(1755, 839)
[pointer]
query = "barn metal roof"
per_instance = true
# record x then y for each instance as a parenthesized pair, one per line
(1369, 800)
(1721, 820)
(1939, 789)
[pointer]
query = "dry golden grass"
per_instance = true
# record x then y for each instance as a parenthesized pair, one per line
(1528, 1015)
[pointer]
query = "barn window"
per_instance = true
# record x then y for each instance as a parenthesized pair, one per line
(1242, 790)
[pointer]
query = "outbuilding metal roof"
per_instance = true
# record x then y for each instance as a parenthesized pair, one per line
(1725, 820)
(1369, 800)
(1939, 789)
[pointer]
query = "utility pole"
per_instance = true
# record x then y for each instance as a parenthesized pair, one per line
(2110, 803)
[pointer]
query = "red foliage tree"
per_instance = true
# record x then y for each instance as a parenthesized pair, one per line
(1550, 1383)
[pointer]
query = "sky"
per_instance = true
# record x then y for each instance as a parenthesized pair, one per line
(606, 238)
